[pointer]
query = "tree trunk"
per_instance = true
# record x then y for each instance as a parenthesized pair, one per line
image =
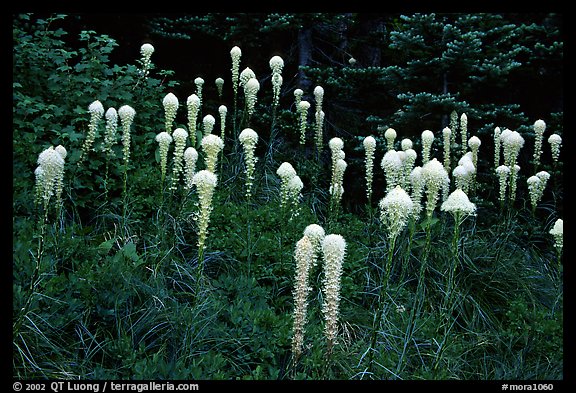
(304, 56)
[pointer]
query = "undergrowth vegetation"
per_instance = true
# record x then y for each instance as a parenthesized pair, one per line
(183, 262)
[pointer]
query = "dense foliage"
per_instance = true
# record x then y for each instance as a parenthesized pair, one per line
(112, 283)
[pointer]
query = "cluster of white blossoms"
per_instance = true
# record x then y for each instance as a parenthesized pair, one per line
(96, 110)
(219, 82)
(190, 159)
(164, 139)
(464, 131)
(235, 54)
(319, 116)
(427, 140)
(111, 127)
(245, 76)
(222, 111)
(251, 89)
(248, 137)
(199, 82)
(369, 144)
(497, 147)
(536, 187)
(307, 252)
(298, 93)
(180, 136)
(193, 106)
(555, 142)
(458, 204)
(558, 232)
(170, 103)
(146, 51)
(208, 123)
(446, 133)
(406, 144)
(126, 114)
(390, 136)
(417, 184)
(316, 235)
(334, 250)
(205, 182)
(539, 128)
(50, 176)
(286, 172)
(396, 208)
(503, 173)
(211, 146)
(302, 111)
(474, 143)
(276, 65)
(464, 172)
(392, 165)
(294, 187)
(303, 255)
(408, 158)
(512, 142)
(436, 179)
(336, 189)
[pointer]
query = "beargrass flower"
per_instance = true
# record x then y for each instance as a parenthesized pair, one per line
(219, 82)
(458, 204)
(392, 165)
(497, 147)
(235, 54)
(303, 256)
(316, 234)
(512, 142)
(334, 250)
(111, 127)
(222, 110)
(396, 208)
(555, 142)
(126, 114)
(180, 136)
(390, 136)
(276, 65)
(446, 133)
(427, 140)
(464, 131)
(536, 187)
(408, 162)
(513, 180)
(539, 128)
(164, 139)
(171, 104)
(190, 159)
(205, 182)
(208, 123)
(245, 76)
(146, 50)
(248, 137)
(303, 107)
(294, 188)
(96, 112)
(286, 172)
(319, 97)
(50, 176)
(193, 106)
(199, 82)
(503, 173)
(417, 183)
(558, 232)
(406, 144)
(474, 144)
(319, 125)
(211, 145)
(370, 148)
(337, 187)
(251, 89)
(298, 93)
(435, 179)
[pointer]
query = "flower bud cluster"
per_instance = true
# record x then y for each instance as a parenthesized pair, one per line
(248, 137)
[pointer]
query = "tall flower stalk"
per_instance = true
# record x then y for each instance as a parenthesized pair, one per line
(248, 138)
(193, 106)
(170, 103)
(180, 136)
(126, 114)
(96, 112)
(334, 250)
(205, 182)
(539, 128)
(303, 256)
